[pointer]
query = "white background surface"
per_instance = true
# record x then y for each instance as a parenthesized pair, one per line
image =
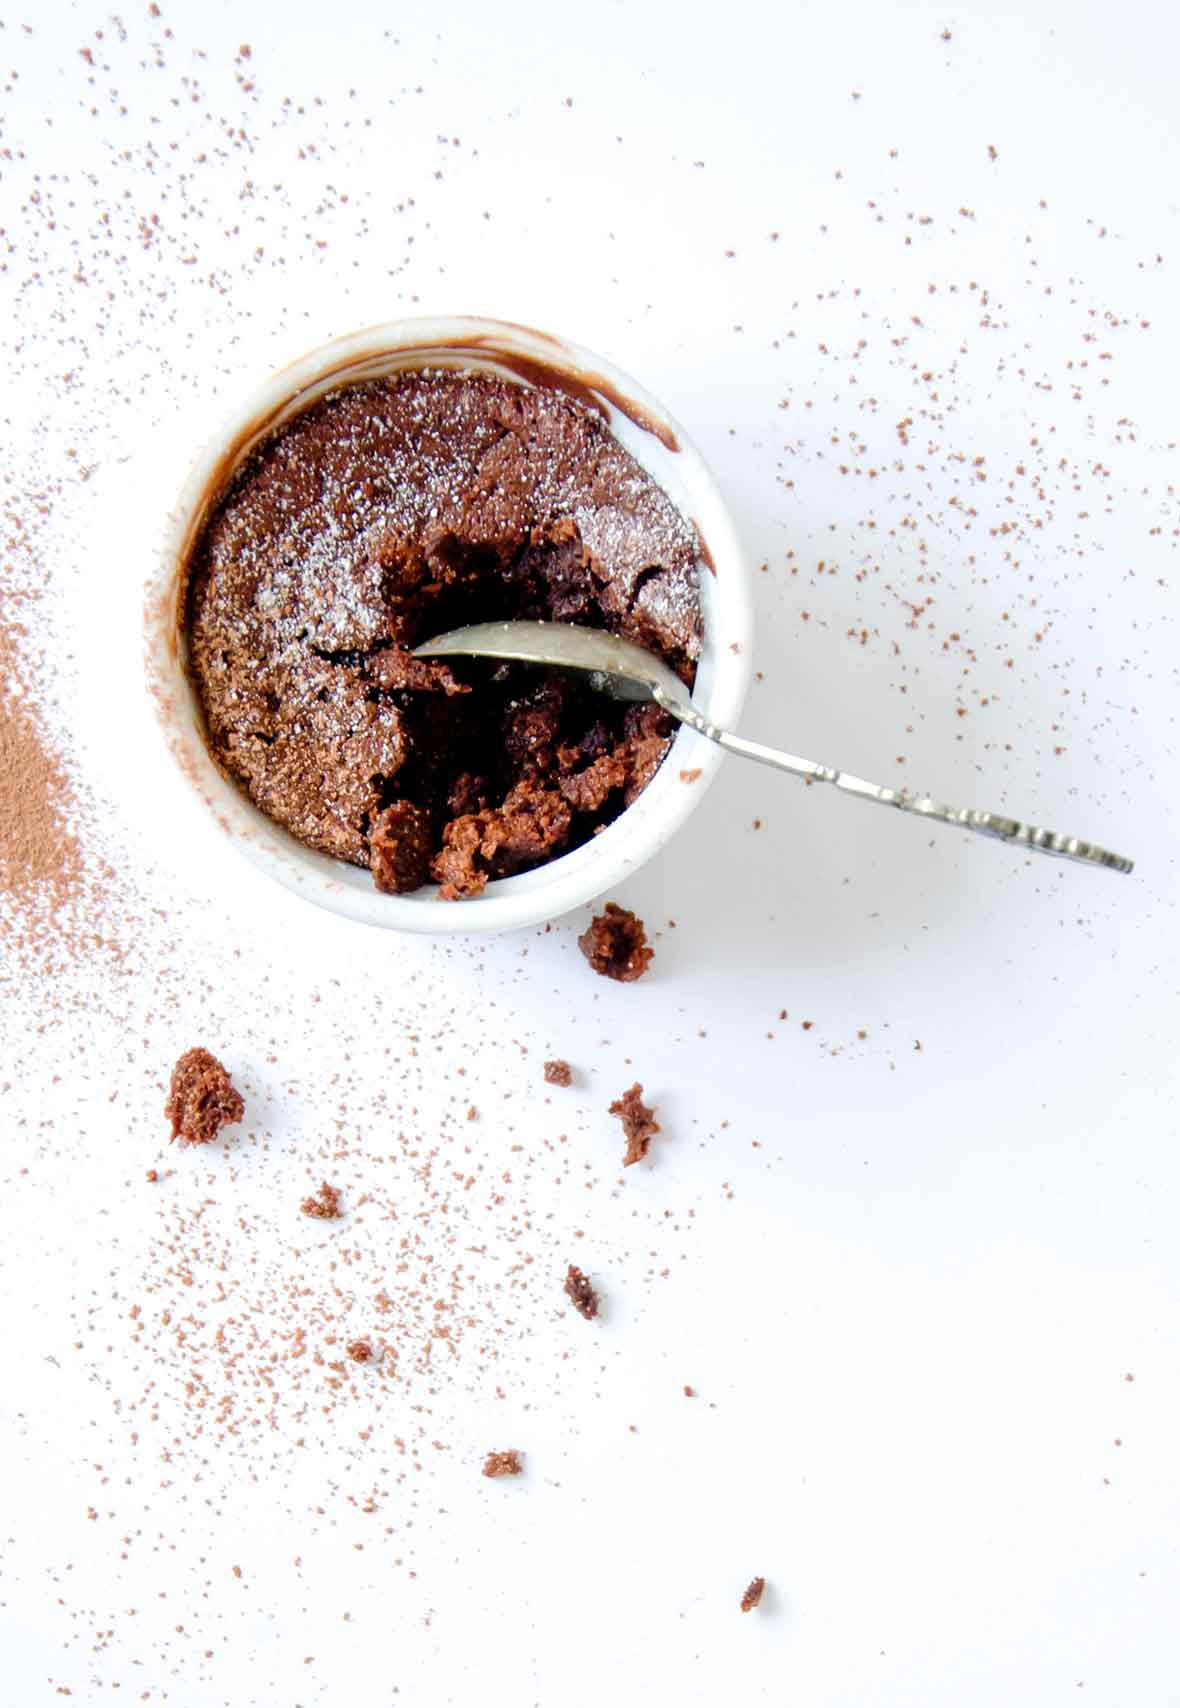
(909, 1286)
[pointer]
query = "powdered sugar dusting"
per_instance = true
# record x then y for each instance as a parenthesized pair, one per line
(362, 485)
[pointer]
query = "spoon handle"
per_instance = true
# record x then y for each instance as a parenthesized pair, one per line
(962, 818)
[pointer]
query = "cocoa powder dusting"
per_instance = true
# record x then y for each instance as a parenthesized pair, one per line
(41, 870)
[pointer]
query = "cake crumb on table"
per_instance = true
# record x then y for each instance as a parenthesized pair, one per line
(689, 1392)
(753, 1594)
(615, 944)
(201, 1099)
(580, 1293)
(325, 1203)
(639, 1123)
(153, 1176)
(558, 1073)
(508, 1463)
(360, 1351)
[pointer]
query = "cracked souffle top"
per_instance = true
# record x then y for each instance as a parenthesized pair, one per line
(391, 511)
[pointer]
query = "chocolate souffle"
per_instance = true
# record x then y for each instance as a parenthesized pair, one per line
(388, 512)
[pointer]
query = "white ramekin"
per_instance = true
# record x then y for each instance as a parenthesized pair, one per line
(656, 442)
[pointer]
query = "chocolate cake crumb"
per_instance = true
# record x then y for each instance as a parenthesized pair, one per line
(359, 1351)
(325, 1204)
(689, 1392)
(639, 1123)
(395, 667)
(532, 824)
(580, 1293)
(558, 1073)
(615, 944)
(587, 790)
(753, 1594)
(201, 1099)
(460, 868)
(506, 1464)
(153, 1176)
(400, 848)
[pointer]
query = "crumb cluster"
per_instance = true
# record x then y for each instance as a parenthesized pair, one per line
(580, 1293)
(639, 1123)
(201, 1099)
(752, 1594)
(507, 1463)
(615, 944)
(324, 1204)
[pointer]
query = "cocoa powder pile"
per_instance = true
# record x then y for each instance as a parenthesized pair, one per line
(38, 852)
(42, 875)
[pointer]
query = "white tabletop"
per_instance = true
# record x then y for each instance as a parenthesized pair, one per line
(908, 277)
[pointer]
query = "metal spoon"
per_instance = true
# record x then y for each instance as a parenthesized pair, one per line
(627, 672)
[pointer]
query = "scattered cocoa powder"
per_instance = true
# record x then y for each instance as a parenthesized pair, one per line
(51, 236)
(639, 1123)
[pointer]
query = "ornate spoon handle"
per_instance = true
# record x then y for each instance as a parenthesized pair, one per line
(962, 818)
